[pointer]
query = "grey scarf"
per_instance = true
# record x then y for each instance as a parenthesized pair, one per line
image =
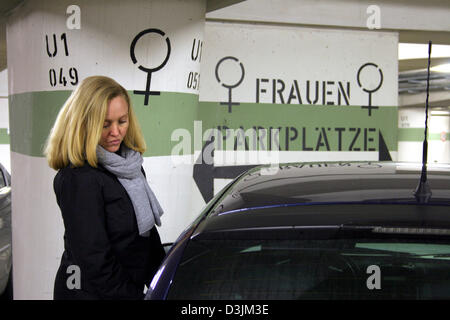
(127, 169)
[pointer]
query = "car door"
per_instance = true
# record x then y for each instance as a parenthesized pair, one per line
(5, 227)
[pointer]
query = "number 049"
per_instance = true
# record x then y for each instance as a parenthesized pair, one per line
(61, 79)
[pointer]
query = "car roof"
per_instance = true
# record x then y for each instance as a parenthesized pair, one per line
(330, 194)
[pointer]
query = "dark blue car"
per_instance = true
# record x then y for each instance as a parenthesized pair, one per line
(316, 231)
(5, 235)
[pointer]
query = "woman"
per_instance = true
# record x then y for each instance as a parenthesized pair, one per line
(112, 247)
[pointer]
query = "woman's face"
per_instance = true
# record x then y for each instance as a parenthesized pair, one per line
(116, 124)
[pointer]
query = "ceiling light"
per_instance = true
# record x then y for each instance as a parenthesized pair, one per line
(442, 68)
(420, 51)
(440, 113)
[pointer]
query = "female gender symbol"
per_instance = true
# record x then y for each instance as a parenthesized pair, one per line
(369, 106)
(228, 86)
(149, 71)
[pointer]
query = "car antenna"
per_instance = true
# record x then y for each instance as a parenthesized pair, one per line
(423, 190)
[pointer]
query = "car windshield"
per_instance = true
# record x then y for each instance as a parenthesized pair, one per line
(314, 269)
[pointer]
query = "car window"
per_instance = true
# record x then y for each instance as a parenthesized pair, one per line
(314, 269)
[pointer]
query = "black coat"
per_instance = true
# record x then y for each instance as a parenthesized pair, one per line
(102, 238)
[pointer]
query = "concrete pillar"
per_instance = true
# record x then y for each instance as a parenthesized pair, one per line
(147, 46)
(439, 138)
(411, 128)
(4, 122)
(411, 123)
(325, 94)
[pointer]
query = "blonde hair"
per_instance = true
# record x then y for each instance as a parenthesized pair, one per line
(79, 124)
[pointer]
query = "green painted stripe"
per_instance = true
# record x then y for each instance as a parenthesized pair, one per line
(347, 128)
(410, 134)
(416, 134)
(309, 127)
(33, 114)
(31, 117)
(164, 114)
(4, 136)
(438, 136)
